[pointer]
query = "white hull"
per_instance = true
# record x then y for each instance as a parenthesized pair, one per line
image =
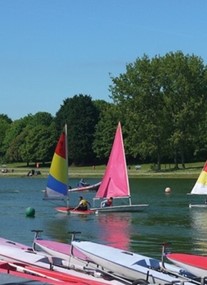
(16, 254)
(121, 208)
(197, 205)
(11, 243)
(126, 264)
(93, 187)
(194, 270)
(63, 251)
(196, 264)
(200, 272)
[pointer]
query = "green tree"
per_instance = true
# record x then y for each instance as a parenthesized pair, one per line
(185, 92)
(41, 119)
(105, 131)
(81, 116)
(138, 94)
(31, 139)
(13, 139)
(161, 100)
(5, 123)
(39, 143)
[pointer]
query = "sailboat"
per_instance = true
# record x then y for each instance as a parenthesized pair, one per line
(57, 182)
(115, 182)
(200, 187)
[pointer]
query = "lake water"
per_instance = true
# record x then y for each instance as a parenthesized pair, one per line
(167, 219)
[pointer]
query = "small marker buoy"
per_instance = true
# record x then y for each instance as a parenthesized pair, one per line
(30, 212)
(167, 190)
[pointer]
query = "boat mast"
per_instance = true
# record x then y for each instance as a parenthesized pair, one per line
(66, 157)
(124, 158)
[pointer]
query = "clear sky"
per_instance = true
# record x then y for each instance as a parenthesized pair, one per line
(51, 50)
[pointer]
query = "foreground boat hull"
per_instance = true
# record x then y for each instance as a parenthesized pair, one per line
(61, 250)
(14, 244)
(195, 264)
(29, 273)
(48, 265)
(126, 264)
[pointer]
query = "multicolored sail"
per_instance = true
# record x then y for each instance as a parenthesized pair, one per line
(57, 184)
(200, 186)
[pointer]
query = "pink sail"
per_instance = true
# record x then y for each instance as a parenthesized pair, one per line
(115, 182)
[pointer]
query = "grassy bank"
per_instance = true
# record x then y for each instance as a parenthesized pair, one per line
(192, 170)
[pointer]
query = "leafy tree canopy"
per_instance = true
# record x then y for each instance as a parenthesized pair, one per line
(81, 116)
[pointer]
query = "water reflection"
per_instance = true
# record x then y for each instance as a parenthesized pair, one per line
(115, 228)
(199, 229)
(57, 228)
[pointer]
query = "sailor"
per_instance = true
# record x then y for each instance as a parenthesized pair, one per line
(83, 205)
(107, 203)
(82, 183)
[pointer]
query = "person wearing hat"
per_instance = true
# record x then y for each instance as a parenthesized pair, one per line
(83, 205)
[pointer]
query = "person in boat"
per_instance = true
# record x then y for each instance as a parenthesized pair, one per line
(107, 203)
(82, 183)
(83, 205)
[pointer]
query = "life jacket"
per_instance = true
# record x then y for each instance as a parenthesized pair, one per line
(84, 203)
(109, 202)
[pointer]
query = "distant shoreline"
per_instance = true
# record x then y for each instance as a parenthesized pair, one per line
(86, 172)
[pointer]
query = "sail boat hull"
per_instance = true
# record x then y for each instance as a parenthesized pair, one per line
(93, 187)
(121, 208)
(197, 205)
(66, 210)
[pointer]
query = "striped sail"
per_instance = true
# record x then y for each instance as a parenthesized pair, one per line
(200, 186)
(57, 183)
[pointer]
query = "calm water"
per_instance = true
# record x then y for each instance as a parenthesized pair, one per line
(168, 218)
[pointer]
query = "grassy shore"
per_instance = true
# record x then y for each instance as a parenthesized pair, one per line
(192, 170)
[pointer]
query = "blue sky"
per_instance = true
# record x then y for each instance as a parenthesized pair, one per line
(54, 49)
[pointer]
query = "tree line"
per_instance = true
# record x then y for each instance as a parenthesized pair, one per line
(161, 103)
